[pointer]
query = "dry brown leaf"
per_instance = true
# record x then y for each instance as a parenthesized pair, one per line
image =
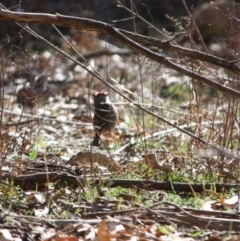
(62, 237)
(209, 205)
(127, 196)
(103, 233)
(151, 160)
(230, 202)
(5, 235)
(89, 158)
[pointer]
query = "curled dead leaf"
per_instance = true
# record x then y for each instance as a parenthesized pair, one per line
(88, 158)
(151, 160)
(103, 233)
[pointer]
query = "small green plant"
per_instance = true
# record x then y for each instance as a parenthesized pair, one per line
(33, 154)
(178, 92)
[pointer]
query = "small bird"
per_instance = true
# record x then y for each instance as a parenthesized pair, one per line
(105, 116)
